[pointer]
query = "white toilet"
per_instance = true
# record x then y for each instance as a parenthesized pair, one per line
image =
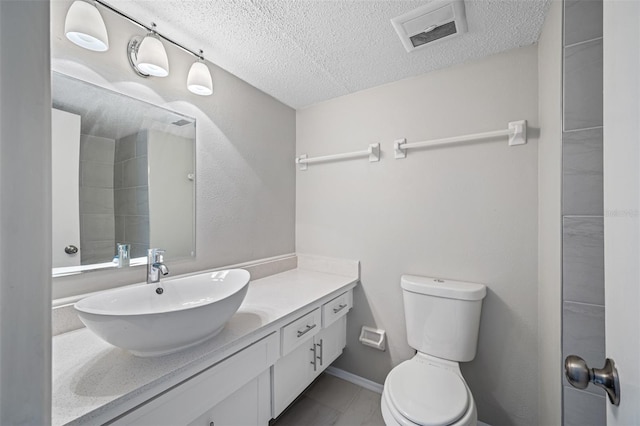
(442, 320)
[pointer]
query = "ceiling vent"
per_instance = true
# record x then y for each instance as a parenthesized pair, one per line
(181, 122)
(436, 21)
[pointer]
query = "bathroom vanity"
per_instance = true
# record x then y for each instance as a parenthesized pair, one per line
(290, 327)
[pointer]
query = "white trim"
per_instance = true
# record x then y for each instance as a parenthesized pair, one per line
(356, 380)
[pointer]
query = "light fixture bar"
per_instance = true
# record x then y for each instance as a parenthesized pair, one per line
(146, 27)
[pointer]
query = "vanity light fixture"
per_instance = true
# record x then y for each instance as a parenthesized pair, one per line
(199, 78)
(85, 27)
(148, 56)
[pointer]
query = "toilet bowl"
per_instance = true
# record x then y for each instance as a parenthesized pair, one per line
(442, 319)
(429, 392)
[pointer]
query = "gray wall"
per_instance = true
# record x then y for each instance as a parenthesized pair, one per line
(583, 328)
(25, 214)
(245, 175)
(465, 212)
(550, 217)
(97, 225)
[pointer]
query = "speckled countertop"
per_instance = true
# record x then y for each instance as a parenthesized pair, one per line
(94, 381)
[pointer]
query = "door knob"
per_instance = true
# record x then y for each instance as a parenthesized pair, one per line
(71, 249)
(580, 375)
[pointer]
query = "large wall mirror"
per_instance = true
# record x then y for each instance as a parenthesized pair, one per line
(123, 178)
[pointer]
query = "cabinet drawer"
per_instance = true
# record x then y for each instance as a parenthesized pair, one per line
(336, 308)
(300, 330)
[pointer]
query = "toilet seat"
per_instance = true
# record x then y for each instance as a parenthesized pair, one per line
(425, 394)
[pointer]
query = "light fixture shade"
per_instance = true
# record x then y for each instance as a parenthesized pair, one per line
(152, 57)
(84, 26)
(199, 79)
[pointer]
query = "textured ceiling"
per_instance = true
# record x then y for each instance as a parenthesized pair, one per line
(307, 51)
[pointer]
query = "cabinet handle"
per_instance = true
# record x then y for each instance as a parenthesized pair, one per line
(339, 308)
(321, 352)
(315, 366)
(306, 330)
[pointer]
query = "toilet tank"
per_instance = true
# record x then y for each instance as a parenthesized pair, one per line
(442, 316)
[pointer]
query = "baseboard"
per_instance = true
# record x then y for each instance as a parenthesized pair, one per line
(356, 380)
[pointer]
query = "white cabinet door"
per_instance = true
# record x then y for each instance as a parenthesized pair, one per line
(294, 372)
(65, 184)
(329, 344)
(291, 375)
(249, 405)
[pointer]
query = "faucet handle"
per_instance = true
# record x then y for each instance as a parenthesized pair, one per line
(155, 255)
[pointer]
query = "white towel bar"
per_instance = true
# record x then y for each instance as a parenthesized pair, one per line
(373, 152)
(517, 133)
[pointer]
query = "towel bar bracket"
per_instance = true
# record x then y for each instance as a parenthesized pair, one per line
(302, 164)
(398, 150)
(519, 132)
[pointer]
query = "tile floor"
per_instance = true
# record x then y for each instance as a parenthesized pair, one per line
(333, 401)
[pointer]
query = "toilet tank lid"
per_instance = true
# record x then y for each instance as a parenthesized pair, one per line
(443, 288)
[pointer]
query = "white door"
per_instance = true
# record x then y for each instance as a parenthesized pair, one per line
(622, 202)
(65, 204)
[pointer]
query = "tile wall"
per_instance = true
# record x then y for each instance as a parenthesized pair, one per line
(583, 330)
(131, 193)
(97, 224)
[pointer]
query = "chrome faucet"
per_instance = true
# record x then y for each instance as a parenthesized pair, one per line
(155, 265)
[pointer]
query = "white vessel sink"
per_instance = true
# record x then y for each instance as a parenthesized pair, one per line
(189, 311)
